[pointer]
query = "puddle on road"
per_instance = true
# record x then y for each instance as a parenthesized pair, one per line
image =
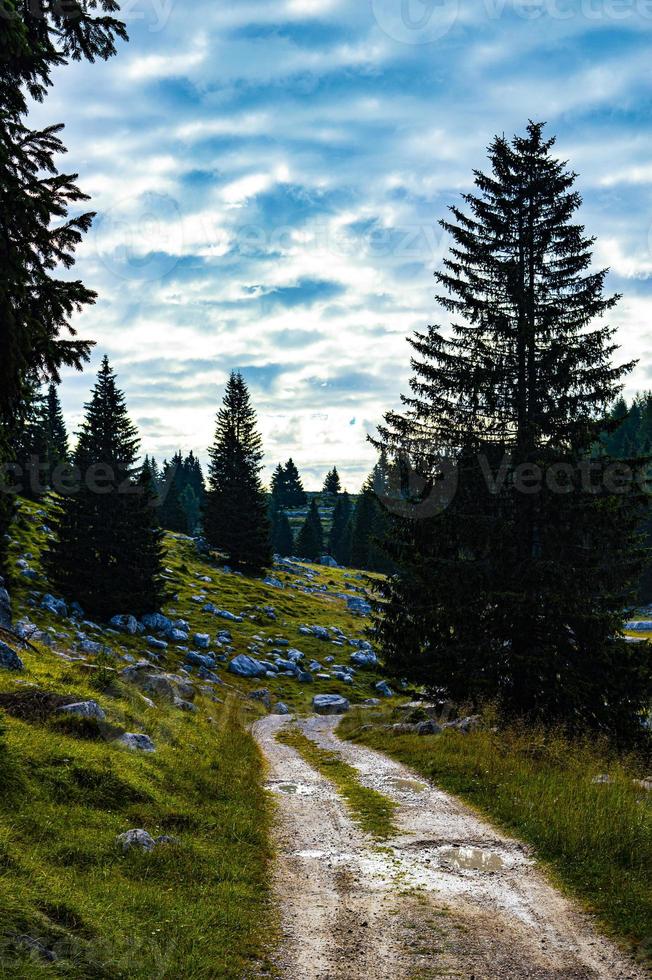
(291, 789)
(407, 785)
(470, 859)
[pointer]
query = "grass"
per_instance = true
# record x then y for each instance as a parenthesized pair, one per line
(596, 838)
(370, 809)
(195, 908)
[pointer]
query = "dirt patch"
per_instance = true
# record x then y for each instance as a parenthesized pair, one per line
(34, 704)
(446, 896)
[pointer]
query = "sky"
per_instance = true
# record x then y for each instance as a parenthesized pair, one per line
(268, 177)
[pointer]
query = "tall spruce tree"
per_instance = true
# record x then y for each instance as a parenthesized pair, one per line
(296, 495)
(108, 555)
(236, 521)
(509, 593)
(310, 540)
(38, 235)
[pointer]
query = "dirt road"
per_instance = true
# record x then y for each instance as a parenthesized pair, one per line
(448, 896)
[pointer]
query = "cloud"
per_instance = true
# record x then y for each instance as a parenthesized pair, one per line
(269, 175)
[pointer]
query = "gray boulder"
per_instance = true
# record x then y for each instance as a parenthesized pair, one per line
(330, 704)
(84, 709)
(137, 742)
(156, 622)
(357, 606)
(183, 705)
(464, 725)
(304, 677)
(5, 606)
(328, 561)
(176, 635)
(244, 666)
(9, 659)
(200, 660)
(263, 696)
(91, 647)
(384, 689)
(364, 659)
(429, 727)
(138, 840)
(202, 641)
(320, 632)
(126, 624)
(56, 606)
(155, 644)
(280, 709)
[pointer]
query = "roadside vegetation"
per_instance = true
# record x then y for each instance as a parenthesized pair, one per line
(585, 810)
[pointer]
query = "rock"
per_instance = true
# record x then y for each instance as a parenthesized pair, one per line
(176, 636)
(293, 655)
(9, 659)
(364, 659)
(464, 725)
(155, 644)
(126, 624)
(90, 647)
(603, 778)
(263, 696)
(183, 705)
(429, 727)
(244, 666)
(330, 704)
(384, 689)
(168, 686)
(84, 709)
(274, 582)
(202, 641)
(137, 742)
(320, 632)
(357, 606)
(200, 660)
(371, 702)
(280, 709)
(304, 677)
(56, 606)
(138, 840)
(5, 606)
(156, 622)
(224, 614)
(208, 675)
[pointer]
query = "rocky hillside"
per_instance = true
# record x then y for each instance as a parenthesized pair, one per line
(143, 726)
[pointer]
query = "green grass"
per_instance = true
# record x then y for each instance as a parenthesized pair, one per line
(370, 809)
(595, 838)
(197, 908)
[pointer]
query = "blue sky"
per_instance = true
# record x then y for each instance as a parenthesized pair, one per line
(268, 177)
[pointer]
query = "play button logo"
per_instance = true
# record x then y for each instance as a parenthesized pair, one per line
(416, 21)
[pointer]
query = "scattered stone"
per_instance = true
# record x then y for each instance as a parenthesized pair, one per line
(429, 727)
(244, 666)
(357, 606)
(304, 677)
(9, 659)
(90, 647)
(84, 709)
(55, 606)
(176, 636)
(5, 605)
(274, 582)
(156, 622)
(371, 702)
(137, 742)
(384, 689)
(281, 709)
(138, 840)
(464, 725)
(202, 641)
(155, 644)
(263, 696)
(200, 660)
(366, 660)
(183, 705)
(330, 704)
(126, 624)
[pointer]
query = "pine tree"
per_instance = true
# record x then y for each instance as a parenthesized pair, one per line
(338, 545)
(510, 594)
(57, 435)
(278, 487)
(39, 236)
(332, 483)
(172, 515)
(296, 495)
(362, 529)
(108, 550)
(236, 520)
(310, 540)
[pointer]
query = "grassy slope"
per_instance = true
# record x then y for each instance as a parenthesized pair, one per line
(199, 908)
(595, 838)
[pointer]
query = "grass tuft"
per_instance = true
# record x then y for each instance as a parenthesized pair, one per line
(370, 809)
